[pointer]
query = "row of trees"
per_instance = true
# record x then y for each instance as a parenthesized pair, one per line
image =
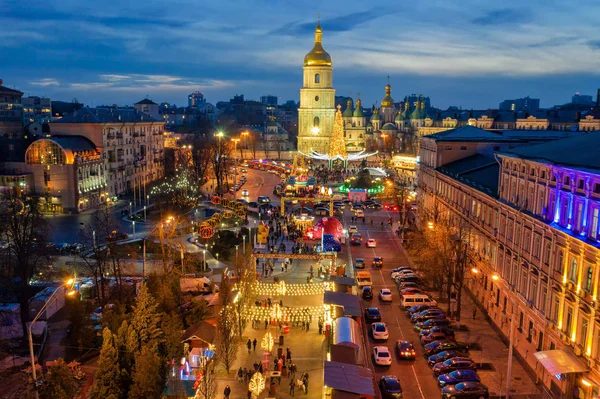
(441, 252)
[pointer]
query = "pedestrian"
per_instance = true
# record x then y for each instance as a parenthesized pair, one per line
(288, 353)
(240, 375)
(281, 303)
(305, 381)
(246, 375)
(226, 392)
(474, 313)
(292, 386)
(249, 396)
(307, 326)
(249, 345)
(266, 324)
(320, 326)
(254, 342)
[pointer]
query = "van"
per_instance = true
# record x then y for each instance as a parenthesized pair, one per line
(417, 299)
(363, 278)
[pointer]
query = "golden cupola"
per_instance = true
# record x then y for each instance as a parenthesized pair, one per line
(318, 56)
(387, 101)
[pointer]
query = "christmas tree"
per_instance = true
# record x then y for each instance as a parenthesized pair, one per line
(337, 145)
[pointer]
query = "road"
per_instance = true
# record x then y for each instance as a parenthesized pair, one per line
(259, 183)
(416, 376)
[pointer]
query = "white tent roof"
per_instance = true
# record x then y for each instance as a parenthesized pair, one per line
(560, 362)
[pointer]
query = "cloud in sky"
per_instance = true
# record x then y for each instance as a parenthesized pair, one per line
(121, 51)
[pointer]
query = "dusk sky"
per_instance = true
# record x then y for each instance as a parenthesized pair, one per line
(469, 53)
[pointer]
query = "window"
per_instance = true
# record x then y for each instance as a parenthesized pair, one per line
(580, 184)
(558, 265)
(567, 180)
(596, 188)
(579, 217)
(521, 322)
(569, 319)
(317, 78)
(555, 307)
(533, 290)
(530, 331)
(540, 345)
(316, 121)
(524, 282)
(585, 323)
(542, 305)
(536, 246)
(588, 279)
(316, 98)
(463, 147)
(593, 233)
(448, 147)
(543, 174)
(573, 271)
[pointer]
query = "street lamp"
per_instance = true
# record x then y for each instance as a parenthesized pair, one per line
(204, 255)
(133, 226)
(244, 247)
(51, 299)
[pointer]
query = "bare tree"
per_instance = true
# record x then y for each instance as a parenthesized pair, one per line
(207, 381)
(226, 345)
(220, 150)
(25, 232)
(252, 142)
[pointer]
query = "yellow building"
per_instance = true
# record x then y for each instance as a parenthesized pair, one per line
(317, 99)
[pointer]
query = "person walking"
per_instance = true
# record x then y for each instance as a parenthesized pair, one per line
(240, 375)
(254, 342)
(292, 386)
(226, 392)
(249, 345)
(305, 381)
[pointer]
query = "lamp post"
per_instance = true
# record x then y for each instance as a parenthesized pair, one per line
(236, 255)
(144, 213)
(133, 226)
(51, 299)
(244, 247)
(130, 208)
(204, 255)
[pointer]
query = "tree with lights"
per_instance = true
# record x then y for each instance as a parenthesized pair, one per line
(226, 345)
(337, 145)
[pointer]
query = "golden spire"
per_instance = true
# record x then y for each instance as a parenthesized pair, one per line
(318, 56)
(387, 100)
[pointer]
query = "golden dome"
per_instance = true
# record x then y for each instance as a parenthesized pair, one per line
(317, 56)
(387, 101)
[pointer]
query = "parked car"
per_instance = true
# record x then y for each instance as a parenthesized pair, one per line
(434, 336)
(382, 356)
(402, 272)
(359, 263)
(403, 286)
(372, 315)
(390, 387)
(443, 356)
(456, 376)
(367, 292)
(385, 295)
(431, 323)
(440, 346)
(378, 261)
(449, 332)
(416, 309)
(465, 390)
(406, 350)
(379, 331)
(456, 363)
(427, 314)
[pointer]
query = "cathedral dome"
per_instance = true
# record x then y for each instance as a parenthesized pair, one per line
(387, 101)
(358, 112)
(348, 110)
(389, 126)
(317, 56)
(376, 116)
(399, 117)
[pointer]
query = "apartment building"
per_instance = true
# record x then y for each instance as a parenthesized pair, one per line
(533, 212)
(131, 144)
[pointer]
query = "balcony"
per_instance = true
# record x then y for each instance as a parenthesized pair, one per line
(110, 136)
(119, 135)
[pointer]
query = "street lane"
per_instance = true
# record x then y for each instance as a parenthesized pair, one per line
(416, 376)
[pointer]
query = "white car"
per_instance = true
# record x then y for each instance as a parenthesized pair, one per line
(402, 273)
(385, 295)
(371, 243)
(382, 356)
(245, 192)
(379, 331)
(352, 229)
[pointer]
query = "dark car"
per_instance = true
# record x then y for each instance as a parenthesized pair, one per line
(456, 363)
(263, 200)
(372, 315)
(439, 346)
(378, 261)
(390, 387)
(443, 356)
(406, 350)
(434, 336)
(374, 206)
(115, 236)
(426, 315)
(417, 309)
(356, 239)
(367, 292)
(431, 323)
(457, 376)
(449, 332)
(359, 263)
(408, 279)
(465, 390)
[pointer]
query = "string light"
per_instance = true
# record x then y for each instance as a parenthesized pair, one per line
(337, 145)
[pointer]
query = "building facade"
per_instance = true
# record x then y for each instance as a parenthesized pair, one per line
(147, 106)
(317, 99)
(131, 144)
(37, 109)
(533, 212)
(11, 112)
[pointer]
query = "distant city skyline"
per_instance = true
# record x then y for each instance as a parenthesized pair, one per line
(122, 52)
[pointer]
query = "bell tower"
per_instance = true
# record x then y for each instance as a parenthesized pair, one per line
(317, 99)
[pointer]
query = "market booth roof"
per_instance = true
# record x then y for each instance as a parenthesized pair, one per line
(350, 303)
(557, 361)
(349, 378)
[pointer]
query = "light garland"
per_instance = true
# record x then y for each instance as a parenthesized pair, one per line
(284, 314)
(270, 289)
(267, 342)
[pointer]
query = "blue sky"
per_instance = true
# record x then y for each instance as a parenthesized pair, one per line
(471, 53)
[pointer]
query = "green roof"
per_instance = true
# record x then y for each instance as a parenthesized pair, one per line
(376, 117)
(389, 126)
(399, 117)
(358, 112)
(348, 112)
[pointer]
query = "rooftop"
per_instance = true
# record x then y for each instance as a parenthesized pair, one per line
(146, 101)
(469, 133)
(478, 171)
(349, 378)
(579, 151)
(106, 115)
(6, 90)
(74, 143)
